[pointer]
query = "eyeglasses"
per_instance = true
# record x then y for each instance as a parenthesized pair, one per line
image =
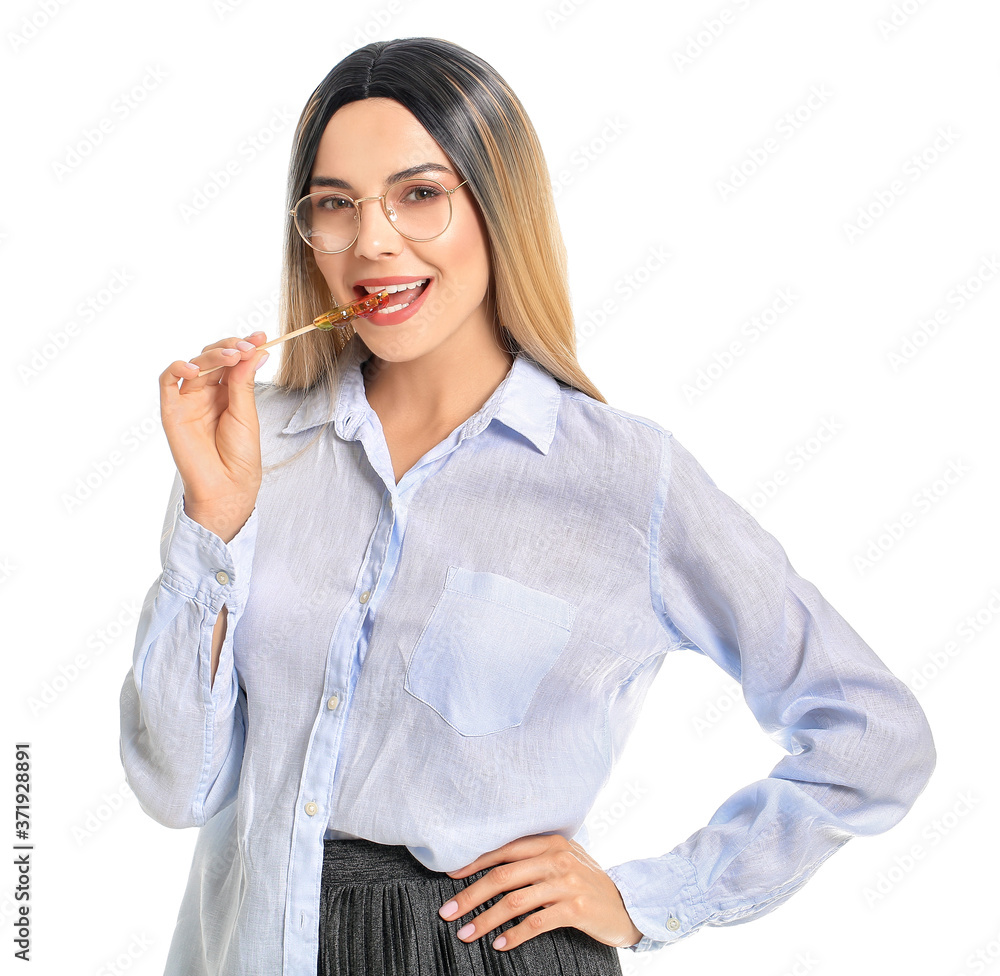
(330, 221)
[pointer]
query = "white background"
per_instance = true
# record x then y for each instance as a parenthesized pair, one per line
(640, 144)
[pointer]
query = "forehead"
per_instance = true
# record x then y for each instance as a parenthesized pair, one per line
(365, 141)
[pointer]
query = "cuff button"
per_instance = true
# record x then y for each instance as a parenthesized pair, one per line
(673, 924)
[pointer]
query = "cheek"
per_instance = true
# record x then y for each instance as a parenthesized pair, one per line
(470, 254)
(331, 271)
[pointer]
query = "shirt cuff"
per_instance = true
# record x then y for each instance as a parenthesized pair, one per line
(662, 898)
(199, 565)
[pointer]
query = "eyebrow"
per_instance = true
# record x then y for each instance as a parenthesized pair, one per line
(403, 174)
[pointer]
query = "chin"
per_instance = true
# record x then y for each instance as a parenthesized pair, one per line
(401, 347)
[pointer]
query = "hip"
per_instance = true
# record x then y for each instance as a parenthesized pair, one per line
(379, 917)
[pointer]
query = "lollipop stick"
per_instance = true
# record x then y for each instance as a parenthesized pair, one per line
(288, 335)
(338, 316)
(267, 345)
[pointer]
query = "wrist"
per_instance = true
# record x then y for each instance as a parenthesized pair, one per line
(225, 522)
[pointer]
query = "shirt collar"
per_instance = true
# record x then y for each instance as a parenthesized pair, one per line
(527, 401)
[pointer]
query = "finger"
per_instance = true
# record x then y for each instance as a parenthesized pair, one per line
(472, 868)
(519, 863)
(226, 352)
(240, 380)
(535, 924)
(257, 338)
(248, 348)
(529, 846)
(176, 371)
(534, 907)
(247, 345)
(212, 368)
(503, 878)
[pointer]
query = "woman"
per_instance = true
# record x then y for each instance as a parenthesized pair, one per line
(388, 674)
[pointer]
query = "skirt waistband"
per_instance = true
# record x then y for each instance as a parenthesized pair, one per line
(354, 860)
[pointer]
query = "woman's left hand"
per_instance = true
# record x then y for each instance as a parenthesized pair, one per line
(543, 871)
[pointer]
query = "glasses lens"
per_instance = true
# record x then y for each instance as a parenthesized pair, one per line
(328, 219)
(419, 209)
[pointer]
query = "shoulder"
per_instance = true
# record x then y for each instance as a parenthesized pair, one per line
(608, 425)
(622, 433)
(618, 453)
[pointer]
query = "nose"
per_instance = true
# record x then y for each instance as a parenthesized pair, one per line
(376, 234)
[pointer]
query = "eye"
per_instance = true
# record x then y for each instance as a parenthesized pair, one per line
(418, 193)
(333, 201)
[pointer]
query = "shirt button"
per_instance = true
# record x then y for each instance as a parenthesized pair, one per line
(364, 596)
(222, 576)
(673, 924)
(311, 808)
(333, 702)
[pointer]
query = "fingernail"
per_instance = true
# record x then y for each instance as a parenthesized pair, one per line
(244, 345)
(500, 942)
(194, 366)
(466, 930)
(263, 359)
(258, 332)
(230, 352)
(448, 910)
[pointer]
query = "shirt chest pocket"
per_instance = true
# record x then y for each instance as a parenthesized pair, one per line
(486, 647)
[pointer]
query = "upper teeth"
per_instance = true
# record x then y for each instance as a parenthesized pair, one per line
(392, 289)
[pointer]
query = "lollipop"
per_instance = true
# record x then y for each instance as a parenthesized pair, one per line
(336, 318)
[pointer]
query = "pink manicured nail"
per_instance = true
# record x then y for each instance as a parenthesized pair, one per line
(466, 930)
(499, 942)
(263, 359)
(446, 911)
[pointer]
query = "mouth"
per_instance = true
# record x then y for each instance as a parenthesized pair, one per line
(402, 292)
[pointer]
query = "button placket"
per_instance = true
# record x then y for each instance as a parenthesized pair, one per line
(328, 734)
(380, 545)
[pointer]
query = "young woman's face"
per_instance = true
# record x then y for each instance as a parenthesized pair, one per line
(364, 144)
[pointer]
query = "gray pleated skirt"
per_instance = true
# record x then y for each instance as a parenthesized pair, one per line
(379, 917)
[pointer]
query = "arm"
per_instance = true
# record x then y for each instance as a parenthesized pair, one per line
(860, 749)
(183, 714)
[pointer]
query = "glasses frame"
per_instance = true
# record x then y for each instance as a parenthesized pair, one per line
(390, 215)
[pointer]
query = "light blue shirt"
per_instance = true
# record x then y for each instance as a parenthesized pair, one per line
(457, 661)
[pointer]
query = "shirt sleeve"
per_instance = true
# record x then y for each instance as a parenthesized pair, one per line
(182, 736)
(860, 750)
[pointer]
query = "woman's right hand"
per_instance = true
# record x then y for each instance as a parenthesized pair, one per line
(213, 432)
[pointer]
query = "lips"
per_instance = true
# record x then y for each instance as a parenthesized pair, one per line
(401, 290)
(400, 315)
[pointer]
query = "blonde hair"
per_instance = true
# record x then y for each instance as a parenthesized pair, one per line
(470, 111)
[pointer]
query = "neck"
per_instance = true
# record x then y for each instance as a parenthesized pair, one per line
(445, 386)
